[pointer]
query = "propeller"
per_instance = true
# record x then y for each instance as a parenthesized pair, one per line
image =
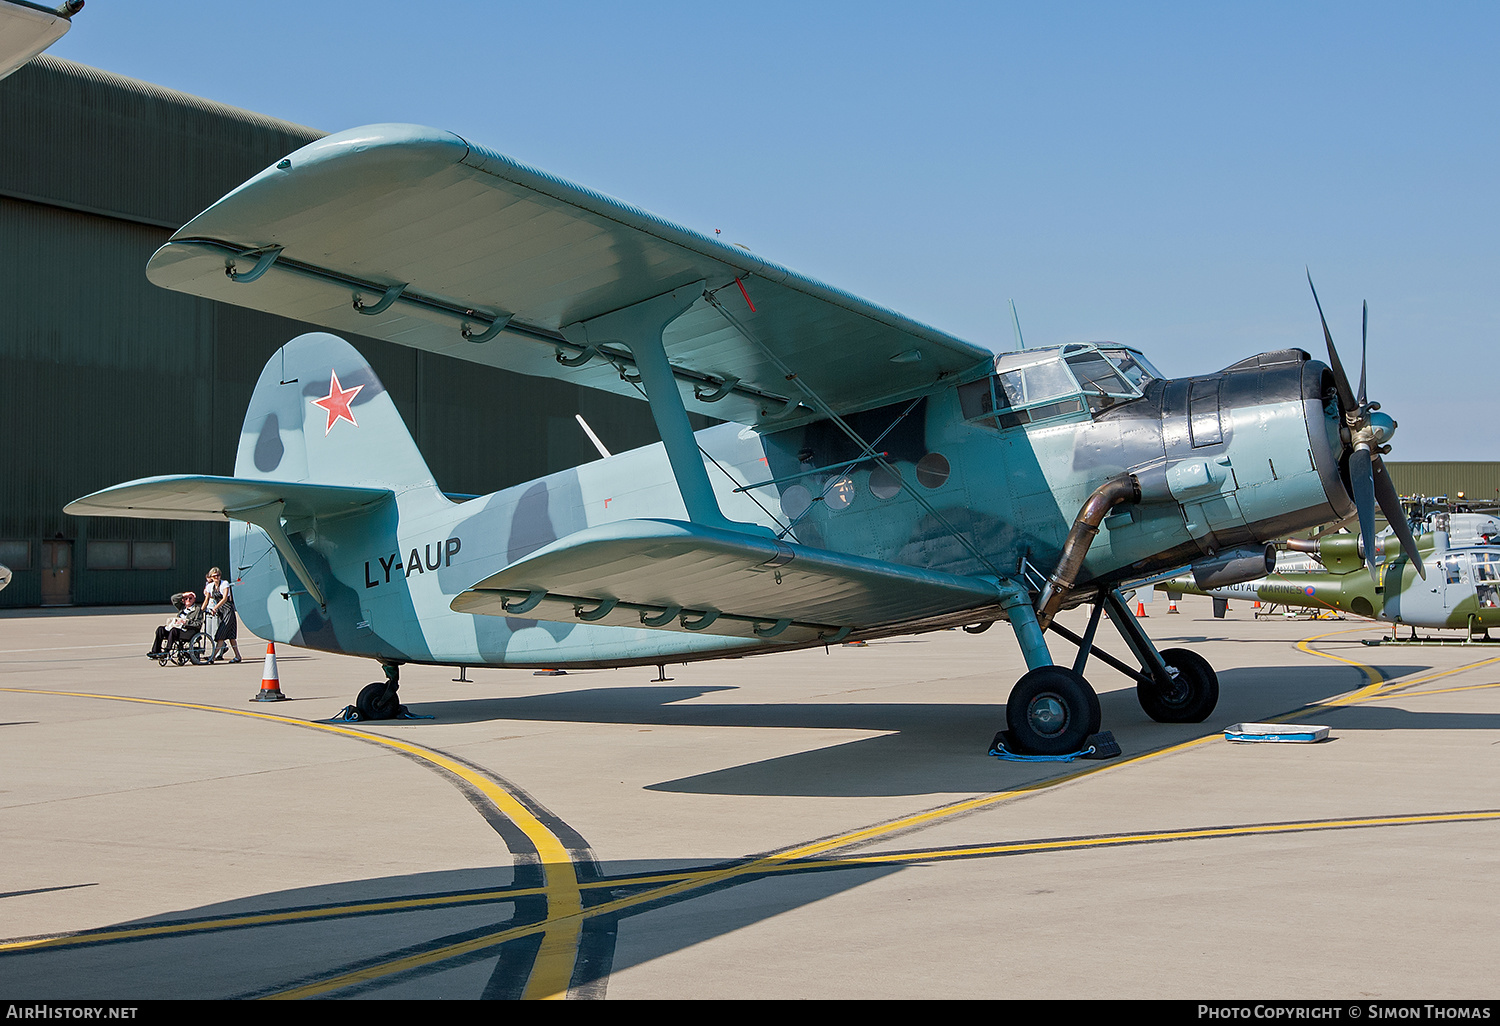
(1368, 432)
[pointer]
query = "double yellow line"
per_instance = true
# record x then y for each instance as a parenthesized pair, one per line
(553, 968)
(561, 929)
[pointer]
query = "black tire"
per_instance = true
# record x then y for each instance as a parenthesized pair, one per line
(373, 703)
(197, 649)
(1194, 696)
(1052, 711)
(180, 654)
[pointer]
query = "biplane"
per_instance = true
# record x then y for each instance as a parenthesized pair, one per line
(872, 476)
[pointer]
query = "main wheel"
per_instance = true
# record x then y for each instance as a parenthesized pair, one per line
(1193, 695)
(373, 702)
(197, 649)
(1052, 711)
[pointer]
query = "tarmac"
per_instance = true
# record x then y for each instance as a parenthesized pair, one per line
(805, 825)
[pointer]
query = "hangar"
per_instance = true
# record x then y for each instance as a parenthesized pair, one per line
(108, 377)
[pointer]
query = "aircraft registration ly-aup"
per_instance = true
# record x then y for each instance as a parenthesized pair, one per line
(416, 563)
(876, 476)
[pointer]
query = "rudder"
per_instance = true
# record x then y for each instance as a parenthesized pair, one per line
(319, 413)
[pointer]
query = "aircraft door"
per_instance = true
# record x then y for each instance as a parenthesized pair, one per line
(57, 572)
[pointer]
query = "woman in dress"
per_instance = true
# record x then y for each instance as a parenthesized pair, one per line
(219, 602)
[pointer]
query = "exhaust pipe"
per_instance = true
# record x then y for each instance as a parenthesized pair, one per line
(1085, 528)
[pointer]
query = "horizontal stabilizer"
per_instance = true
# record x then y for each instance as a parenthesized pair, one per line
(678, 576)
(201, 497)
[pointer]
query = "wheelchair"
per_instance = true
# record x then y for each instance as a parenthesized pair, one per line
(191, 649)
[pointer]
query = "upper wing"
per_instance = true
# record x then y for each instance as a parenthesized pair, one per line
(459, 239)
(679, 576)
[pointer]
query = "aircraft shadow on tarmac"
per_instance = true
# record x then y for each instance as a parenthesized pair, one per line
(271, 954)
(921, 748)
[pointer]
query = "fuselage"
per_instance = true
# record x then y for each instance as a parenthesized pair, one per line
(980, 477)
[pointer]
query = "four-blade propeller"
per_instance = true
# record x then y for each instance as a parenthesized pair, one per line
(1368, 431)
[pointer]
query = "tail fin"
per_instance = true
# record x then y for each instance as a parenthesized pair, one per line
(320, 414)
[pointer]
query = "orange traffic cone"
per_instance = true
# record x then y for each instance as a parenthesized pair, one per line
(1171, 607)
(1140, 610)
(270, 685)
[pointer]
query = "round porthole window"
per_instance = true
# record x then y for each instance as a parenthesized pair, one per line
(795, 500)
(933, 470)
(839, 493)
(885, 484)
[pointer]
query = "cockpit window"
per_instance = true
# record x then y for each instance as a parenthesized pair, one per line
(1034, 385)
(1037, 383)
(1135, 368)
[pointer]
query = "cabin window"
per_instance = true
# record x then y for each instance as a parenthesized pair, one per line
(885, 484)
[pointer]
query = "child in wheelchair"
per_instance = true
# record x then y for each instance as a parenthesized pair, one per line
(175, 639)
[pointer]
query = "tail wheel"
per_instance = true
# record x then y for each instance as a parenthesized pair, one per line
(1052, 711)
(1193, 695)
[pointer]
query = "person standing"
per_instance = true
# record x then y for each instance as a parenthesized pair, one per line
(219, 602)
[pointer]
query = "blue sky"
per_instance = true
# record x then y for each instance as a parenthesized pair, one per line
(1155, 174)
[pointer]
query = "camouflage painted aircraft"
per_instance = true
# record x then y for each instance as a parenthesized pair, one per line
(877, 476)
(1463, 595)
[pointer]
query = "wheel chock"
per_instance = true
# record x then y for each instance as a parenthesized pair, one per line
(270, 684)
(1100, 746)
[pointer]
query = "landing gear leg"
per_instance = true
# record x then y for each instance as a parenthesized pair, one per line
(379, 701)
(1176, 686)
(1051, 710)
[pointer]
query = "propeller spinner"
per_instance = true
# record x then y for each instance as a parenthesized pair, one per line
(1368, 431)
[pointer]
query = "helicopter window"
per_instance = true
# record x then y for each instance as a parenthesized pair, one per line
(1486, 566)
(1487, 596)
(1454, 571)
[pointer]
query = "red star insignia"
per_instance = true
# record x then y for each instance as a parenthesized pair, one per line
(337, 401)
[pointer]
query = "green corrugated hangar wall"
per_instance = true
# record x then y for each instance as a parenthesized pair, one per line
(108, 378)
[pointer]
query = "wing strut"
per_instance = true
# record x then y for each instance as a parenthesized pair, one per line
(866, 449)
(268, 519)
(640, 327)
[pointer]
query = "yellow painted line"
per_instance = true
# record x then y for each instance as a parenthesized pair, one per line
(799, 857)
(553, 969)
(1204, 833)
(1404, 684)
(1440, 691)
(1371, 674)
(794, 858)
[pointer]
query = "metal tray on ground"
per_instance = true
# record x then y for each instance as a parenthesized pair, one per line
(1303, 733)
